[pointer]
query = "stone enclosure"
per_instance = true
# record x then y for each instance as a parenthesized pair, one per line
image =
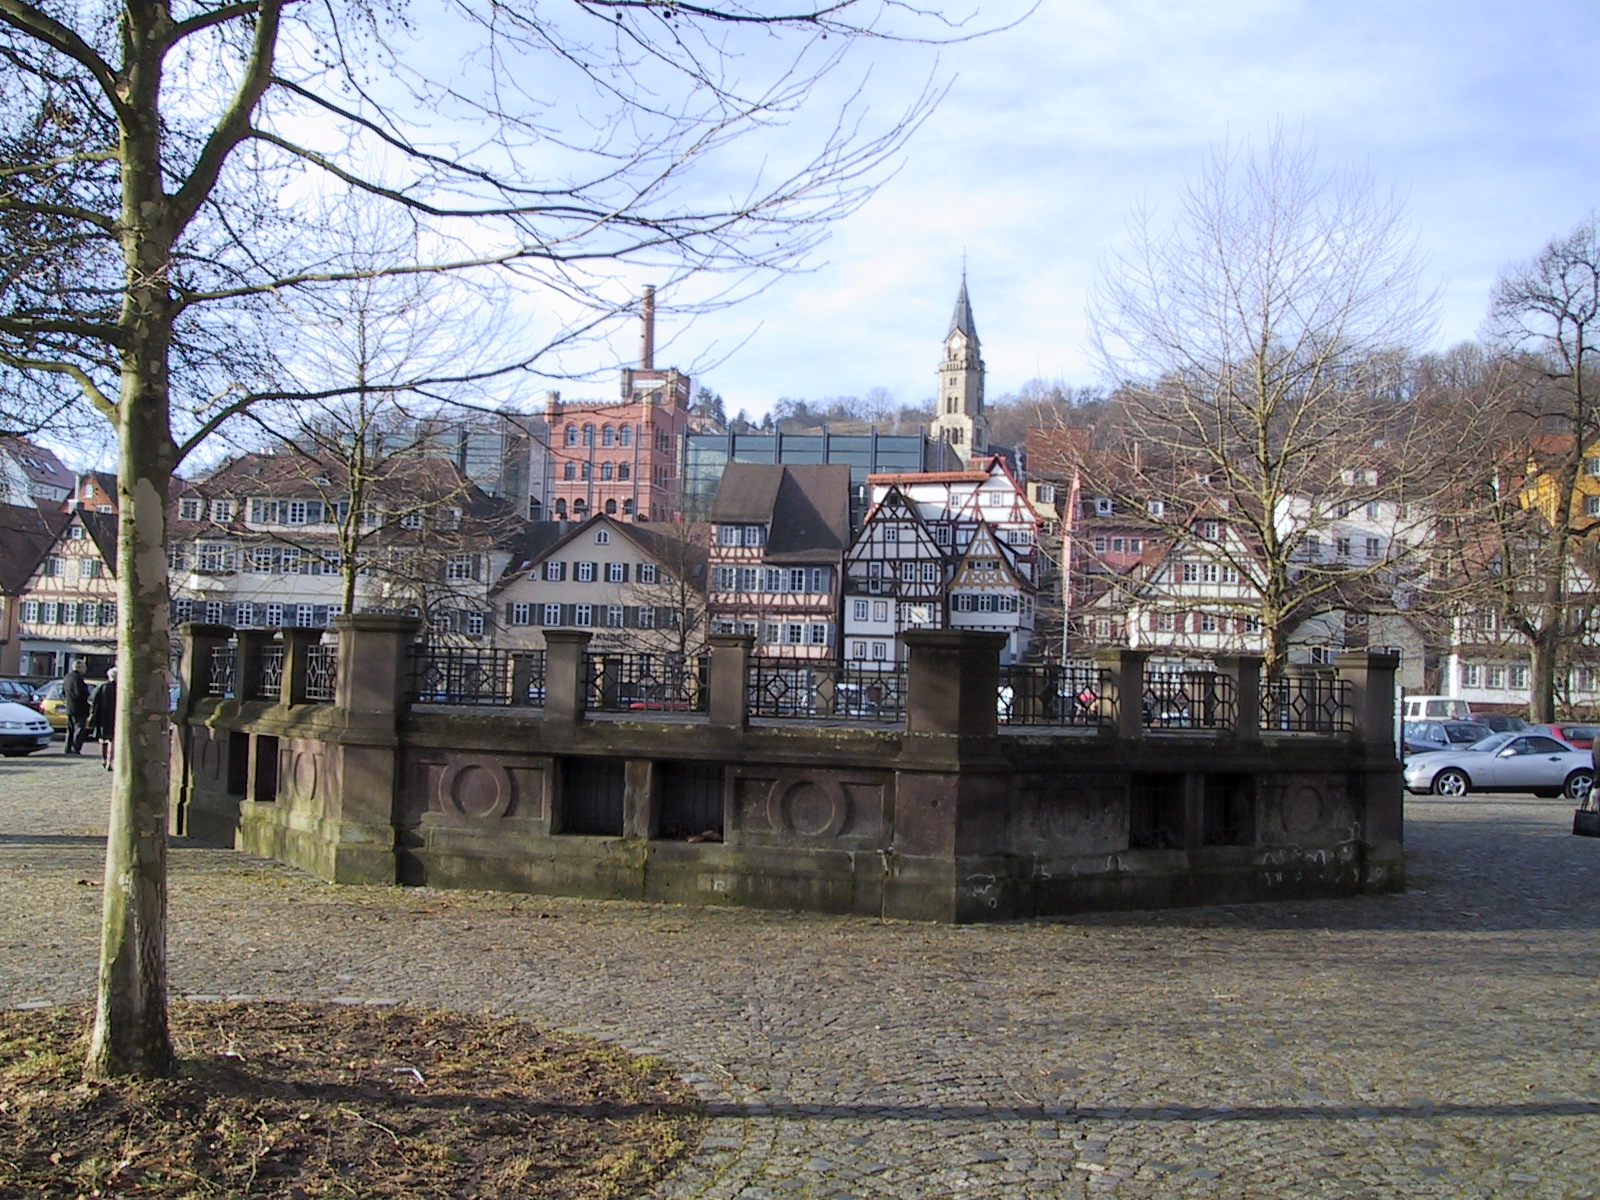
(954, 790)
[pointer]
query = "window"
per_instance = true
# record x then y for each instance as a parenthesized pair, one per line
(880, 610)
(1102, 506)
(722, 579)
(588, 435)
(614, 616)
(602, 537)
(474, 623)
(794, 634)
(1156, 508)
(1100, 545)
(1118, 545)
(891, 533)
(608, 436)
(571, 437)
(90, 568)
(1191, 572)
(1470, 675)
(52, 567)
(555, 572)
(1591, 467)
(1230, 575)
(1495, 676)
(728, 535)
(75, 533)
(552, 614)
(797, 580)
(930, 572)
(625, 437)
(858, 610)
(583, 614)
(1517, 679)
(755, 535)
(747, 579)
(1341, 547)
(584, 573)
(647, 615)
(624, 473)
(69, 613)
(1209, 573)
(1373, 550)
(30, 611)
(1007, 603)
(569, 471)
(858, 649)
(879, 651)
(607, 470)
(586, 471)
(962, 602)
(1591, 506)
(1166, 623)
(986, 602)
(1208, 622)
(819, 634)
(522, 614)
(189, 508)
(214, 558)
(617, 572)
(458, 568)
(411, 521)
(274, 614)
(908, 572)
(941, 534)
(647, 571)
(222, 511)
(1210, 530)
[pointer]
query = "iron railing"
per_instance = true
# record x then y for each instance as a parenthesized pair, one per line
(322, 672)
(644, 682)
(786, 687)
(221, 681)
(1189, 699)
(269, 674)
(1306, 704)
(1044, 694)
(466, 675)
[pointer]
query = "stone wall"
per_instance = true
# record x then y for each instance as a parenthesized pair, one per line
(947, 817)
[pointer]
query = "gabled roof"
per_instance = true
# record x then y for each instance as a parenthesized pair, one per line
(27, 534)
(102, 529)
(805, 506)
(986, 544)
(543, 539)
(43, 468)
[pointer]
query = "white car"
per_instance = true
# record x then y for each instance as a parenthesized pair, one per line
(1503, 762)
(22, 729)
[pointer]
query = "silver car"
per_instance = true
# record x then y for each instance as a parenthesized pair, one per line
(1504, 762)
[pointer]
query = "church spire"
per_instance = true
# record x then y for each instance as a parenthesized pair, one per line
(961, 321)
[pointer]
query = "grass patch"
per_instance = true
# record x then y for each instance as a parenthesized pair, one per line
(297, 1101)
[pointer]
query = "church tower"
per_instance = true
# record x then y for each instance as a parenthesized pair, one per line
(960, 419)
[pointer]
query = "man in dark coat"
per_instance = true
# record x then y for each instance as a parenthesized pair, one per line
(75, 691)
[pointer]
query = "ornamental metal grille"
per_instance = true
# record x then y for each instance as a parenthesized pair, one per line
(863, 693)
(1045, 694)
(466, 675)
(221, 681)
(1192, 699)
(1306, 704)
(322, 672)
(645, 683)
(269, 674)
(782, 688)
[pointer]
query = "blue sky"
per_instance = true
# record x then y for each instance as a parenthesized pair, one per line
(1482, 116)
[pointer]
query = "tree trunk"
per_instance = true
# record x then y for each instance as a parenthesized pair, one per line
(1542, 676)
(130, 1032)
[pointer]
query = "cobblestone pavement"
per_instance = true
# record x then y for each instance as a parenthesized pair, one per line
(1441, 1043)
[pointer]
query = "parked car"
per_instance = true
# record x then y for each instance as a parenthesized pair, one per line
(53, 703)
(18, 691)
(1422, 736)
(1581, 736)
(22, 729)
(1501, 723)
(1435, 708)
(1503, 762)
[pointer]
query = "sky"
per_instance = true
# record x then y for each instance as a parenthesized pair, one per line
(1482, 117)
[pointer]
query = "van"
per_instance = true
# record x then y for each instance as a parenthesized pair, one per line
(1436, 708)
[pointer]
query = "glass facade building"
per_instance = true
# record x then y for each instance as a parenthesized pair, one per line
(872, 453)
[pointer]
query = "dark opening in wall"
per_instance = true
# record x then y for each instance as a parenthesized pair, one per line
(1155, 811)
(266, 769)
(238, 763)
(592, 791)
(691, 800)
(1230, 811)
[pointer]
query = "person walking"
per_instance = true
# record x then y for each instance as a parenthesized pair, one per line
(75, 693)
(103, 715)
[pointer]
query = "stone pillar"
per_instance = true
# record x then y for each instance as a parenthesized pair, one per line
(522, 663)
(1245, 671)
(1369, 679)
(296, 642)
(374, 664)
(565, 697)
(641, 799)
(953, 681)
(194, 668)
(247, 662)
(197, 642)
(729, 702)
(1125, 688)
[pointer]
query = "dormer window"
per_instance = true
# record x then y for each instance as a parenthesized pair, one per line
(189, 508)
(1156, 508)
(602, 537)
(1102, 506)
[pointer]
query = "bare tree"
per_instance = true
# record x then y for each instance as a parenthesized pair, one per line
(1526, 538)
(1257, 346)
(179, 144)
(675, 592)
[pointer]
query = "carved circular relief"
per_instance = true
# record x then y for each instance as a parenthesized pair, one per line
(305, 775)
(1303, 810)
(812, 808)
(474, 790)
(210, 757)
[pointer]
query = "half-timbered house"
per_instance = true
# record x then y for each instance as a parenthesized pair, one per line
(776, 556)
(894, 580)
